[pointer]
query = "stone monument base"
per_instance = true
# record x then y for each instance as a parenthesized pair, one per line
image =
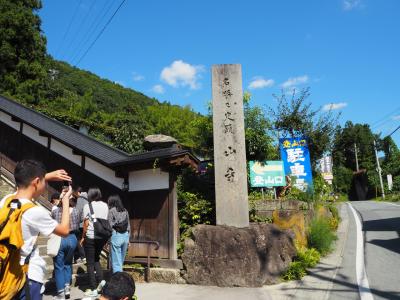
(229, 256)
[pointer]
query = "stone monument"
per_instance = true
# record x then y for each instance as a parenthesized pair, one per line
(229, 146)
(233, 253)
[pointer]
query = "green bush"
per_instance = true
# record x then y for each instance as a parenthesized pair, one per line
(192, 210)
(309, 257)
(296, 194)
(321, 236)
(306, 258)
(295, 271)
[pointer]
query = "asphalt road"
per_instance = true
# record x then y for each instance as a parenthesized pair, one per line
(380, 222)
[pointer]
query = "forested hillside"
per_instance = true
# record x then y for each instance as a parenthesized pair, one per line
(113, 114)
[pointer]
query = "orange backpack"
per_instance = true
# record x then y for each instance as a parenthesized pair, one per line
(12, 273)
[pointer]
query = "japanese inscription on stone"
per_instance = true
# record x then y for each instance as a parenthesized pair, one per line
(229, 146)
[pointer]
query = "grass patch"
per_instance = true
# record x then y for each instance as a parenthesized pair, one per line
(321, 235)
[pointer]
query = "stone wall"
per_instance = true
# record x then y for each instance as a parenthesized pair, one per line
(265, 208)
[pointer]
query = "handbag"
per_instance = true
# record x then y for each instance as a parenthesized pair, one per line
(102, 228)
(53, 245)
(122, 227)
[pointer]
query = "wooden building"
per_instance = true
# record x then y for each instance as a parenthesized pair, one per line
(146, 182)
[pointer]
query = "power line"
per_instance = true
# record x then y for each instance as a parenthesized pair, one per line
(69, 26)
(92, 29)
(100, 33)
(398, 127)
(80, 26)
(384, 118)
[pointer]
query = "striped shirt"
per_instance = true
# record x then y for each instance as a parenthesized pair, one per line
(73, 215)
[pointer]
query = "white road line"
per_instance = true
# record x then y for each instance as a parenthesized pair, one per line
(362, 280)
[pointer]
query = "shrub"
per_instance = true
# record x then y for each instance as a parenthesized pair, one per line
(295, 271)
(309, 257)
(192, 210)
(306, 258)
(321, 236)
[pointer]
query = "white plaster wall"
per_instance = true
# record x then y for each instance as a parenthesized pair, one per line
(33, 134)
(150, 179)
(6, 118)
(103, 172)
(65, 151)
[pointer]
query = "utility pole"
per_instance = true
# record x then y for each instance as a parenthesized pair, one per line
(355, 151)
(379, 171)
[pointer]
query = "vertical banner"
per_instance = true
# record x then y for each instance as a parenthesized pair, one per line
(325, 167)
(296, 159)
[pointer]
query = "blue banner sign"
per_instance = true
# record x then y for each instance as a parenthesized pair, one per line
(296, 159)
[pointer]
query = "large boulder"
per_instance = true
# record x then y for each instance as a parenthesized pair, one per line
(229, 256)
(159, 141)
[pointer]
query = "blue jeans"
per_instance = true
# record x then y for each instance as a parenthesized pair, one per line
(63, 262)
(119, 246)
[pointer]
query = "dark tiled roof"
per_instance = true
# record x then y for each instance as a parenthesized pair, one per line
(151, 155)
(77, 140)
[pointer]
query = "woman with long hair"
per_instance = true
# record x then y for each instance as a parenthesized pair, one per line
(120, 223)
(90, 241)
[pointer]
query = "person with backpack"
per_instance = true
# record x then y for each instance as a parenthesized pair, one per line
(96, 232)
(120, 223)
(21, 221)
(63, 260)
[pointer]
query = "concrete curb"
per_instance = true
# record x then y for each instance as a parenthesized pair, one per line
(319, 282)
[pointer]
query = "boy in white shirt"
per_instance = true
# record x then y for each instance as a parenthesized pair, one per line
(30, 177)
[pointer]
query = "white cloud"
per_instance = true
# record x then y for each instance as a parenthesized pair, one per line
(334, 106)
(180, 73)
(294, 81)
(137, 77)
(351, 4)
(158, 88)
(260, 83)
(396, 118)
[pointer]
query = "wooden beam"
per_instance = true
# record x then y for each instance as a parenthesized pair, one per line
(173, 221)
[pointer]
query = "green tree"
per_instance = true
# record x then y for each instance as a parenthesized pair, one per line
(344, 157)
(258, 132)
(173, 120)
(22, 50)
(293, 116)
(391, 162)
(258, 135)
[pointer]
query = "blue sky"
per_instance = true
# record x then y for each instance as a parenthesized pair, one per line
(346, 51)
